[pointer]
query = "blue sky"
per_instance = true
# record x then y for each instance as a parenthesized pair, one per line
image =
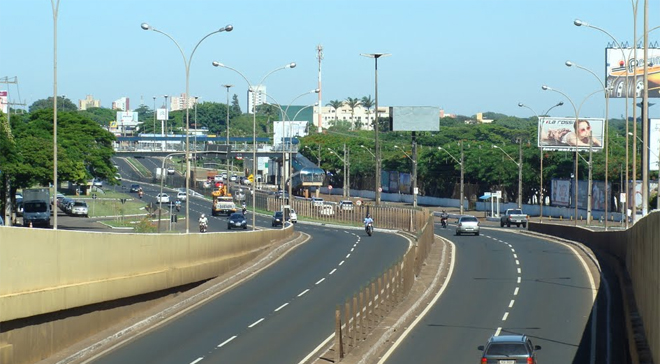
(464, 56)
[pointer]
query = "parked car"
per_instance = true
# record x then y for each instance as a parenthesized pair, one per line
(65, 204)
(467, 225)
(317, 201)
(135, 187)
(79, 208)
(326, 210)
(511, 349)
(236, 220)
(163, 198)
(346, 205)
(278, 219)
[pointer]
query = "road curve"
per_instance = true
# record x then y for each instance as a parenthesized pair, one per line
(505, 283)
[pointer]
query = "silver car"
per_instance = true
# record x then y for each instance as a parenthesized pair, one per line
(467, 225)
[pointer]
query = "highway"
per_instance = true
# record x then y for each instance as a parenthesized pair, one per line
(502, 283)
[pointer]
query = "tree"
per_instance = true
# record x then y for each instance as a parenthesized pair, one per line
(336, 105)
(63, 104)
(367, 103)
(100, 115)
(353, 103)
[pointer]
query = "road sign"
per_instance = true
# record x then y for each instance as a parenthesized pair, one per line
(251, 178)
(330, 187)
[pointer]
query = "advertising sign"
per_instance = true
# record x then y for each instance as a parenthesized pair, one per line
(624, 70)
(4, 101)
(560, 190)
(654, 144)
(565, 134)
(161, 114)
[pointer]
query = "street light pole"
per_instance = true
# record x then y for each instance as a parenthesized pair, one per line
(519, 164)
(228, 86)
(375, 56)
(186, 63)
(541, 201)
(346, 164)
(414, 174)
(606, 136)
(460, 163)
(55, 6)
(253, 89)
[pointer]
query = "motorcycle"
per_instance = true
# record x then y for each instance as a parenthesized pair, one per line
(202, 228)
(178, 206)
(140, 193)
(369, 228)
(244, 211)
(443, 222)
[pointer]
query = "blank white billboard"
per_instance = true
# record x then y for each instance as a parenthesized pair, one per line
(414, 118)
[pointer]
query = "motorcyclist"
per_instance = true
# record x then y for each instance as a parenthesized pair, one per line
(140, 192)
(203, 221)
(368, 220)
(244, 208)
(178, 205)
(443, 218)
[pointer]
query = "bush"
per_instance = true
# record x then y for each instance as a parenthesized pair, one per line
(146, 226)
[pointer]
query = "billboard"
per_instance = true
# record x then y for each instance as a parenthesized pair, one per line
(414, 118)
(624, 71)
(560, 133)
(562, 194)
(4, 101)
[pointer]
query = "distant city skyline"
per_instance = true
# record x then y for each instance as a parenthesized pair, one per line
(466, 57)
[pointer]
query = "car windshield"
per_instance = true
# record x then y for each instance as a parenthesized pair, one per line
(506, 349)
(79, 203)
(469, 219)
(516, 212)
(278, 214)
(35, 207)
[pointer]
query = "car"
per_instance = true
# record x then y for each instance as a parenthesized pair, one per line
(163, 198)
(278, 219)
(97, 182)
(79, 208)
(170, 170)
(181, 195)
(2, 222)
(467, 224)
(60, 197)
(233, 178)
(346, 205)
(317, 201)
(326, 210)
(135, 187)
(64, 204)
(236, 220)
(509, 349)
(293, 217)
(118, 176)
(245, 181)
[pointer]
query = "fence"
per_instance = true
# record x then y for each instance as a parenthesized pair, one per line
(360, 314)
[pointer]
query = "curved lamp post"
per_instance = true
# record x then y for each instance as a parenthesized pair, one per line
(606, 132)
(186, 63)
(346, 189)
(460, 163)
(227, 86)
(519, 164)
(580, 23)
(414, 175)
(520, 104)
(253, 89)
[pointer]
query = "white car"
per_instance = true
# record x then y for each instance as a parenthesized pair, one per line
(79, 208)
(293, 217)
(181, 195)
(233, 178)
(170, 170)
(163, 198)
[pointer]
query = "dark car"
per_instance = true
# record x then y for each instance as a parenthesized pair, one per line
(509, 349)
(278, 218)
(236, 220)
(135, 188)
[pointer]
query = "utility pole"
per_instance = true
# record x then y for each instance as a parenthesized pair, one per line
(319, 56)
(10, 136)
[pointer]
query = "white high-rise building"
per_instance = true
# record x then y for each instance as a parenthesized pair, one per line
(260, 97)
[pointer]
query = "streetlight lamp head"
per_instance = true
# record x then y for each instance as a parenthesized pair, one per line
(568, 63)
(145, 26)
(291, 65)
(545, 88)
(577, 22)
(520, 104)
(560, 103)
(228, 28)
(217, 64)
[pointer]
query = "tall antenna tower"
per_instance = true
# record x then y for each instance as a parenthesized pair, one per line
(319, 56)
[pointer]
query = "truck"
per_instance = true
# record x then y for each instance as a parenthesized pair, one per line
(36, 207)
(223, 203)
(514, 217)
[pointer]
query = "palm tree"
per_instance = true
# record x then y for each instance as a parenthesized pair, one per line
(352, 103)
(335, 104)
(367, 102)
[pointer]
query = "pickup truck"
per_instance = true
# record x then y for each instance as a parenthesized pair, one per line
(514, 217)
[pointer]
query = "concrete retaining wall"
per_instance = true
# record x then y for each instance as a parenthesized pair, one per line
(638, 251)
